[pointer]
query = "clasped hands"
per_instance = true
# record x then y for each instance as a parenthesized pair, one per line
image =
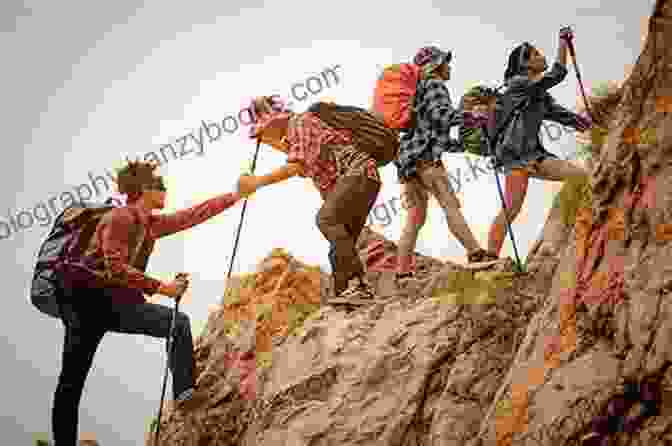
(247, 185)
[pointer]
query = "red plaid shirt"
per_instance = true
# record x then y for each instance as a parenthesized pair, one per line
(326, 154)
(110, 251)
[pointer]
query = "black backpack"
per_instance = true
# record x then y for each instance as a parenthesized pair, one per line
(69, 237)
(369, 133)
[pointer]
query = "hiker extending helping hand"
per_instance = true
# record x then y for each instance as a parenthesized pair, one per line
(346, 177)
(419, 166)
(105, 292)
(518, 148)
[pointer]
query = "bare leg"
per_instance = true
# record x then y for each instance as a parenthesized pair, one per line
(414, 196)
(557, 170)
(436, 181)
(515, 193)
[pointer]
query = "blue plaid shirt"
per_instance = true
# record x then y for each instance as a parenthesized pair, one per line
(435, 115)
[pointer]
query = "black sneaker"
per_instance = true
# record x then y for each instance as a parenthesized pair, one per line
(358, 290)
(401, 278)
(190, 400)
(481, 256)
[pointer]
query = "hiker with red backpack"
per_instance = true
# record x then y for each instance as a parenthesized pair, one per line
(337, 147)
(413, 99)
(103, 281)
(515, 117)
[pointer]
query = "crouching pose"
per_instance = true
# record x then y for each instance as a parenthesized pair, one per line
(347, 179)
(419, 167)
(104, 292)
(519, 151)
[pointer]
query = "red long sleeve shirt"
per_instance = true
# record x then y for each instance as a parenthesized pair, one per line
(125, 238)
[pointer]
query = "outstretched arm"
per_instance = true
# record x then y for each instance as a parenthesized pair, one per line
(281, 174)
(555, 75)
(163, 225)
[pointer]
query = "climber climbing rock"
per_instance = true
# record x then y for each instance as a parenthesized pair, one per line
(346, 177)
(520, 110)
(419, 166)
(103, 291)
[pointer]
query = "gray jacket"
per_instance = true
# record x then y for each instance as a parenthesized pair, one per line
(519, 142)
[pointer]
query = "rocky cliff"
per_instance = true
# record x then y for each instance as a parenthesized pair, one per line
(574, 351)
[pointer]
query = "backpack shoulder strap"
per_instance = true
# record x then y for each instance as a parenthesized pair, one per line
(135, 230)
(419, 92)
(87, 219)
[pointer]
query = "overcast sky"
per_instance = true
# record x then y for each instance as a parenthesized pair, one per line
(85, 84)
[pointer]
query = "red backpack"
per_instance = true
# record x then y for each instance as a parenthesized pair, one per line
(394, 95)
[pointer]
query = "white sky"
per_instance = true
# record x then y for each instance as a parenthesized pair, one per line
(84, 85)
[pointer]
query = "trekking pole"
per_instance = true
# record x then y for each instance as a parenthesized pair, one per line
(242, 216)
(181, 277)
(572, 52)
(519, 265)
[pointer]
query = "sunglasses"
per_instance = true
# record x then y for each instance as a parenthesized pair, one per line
(157, 184)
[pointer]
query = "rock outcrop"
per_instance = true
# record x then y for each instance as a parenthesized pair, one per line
(465, 356)
(375, 373)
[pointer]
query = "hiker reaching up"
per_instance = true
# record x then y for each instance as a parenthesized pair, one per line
(419, 166)
(346, 177)
(104, 292)
(518, 148)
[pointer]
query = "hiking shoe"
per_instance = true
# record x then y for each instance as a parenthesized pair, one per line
(357, 290)
(401, 278)
(404, 276)
(481, 256)
(190, 399)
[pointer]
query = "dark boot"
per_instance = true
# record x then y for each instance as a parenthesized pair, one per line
(481, 256)
(358, 289)
(191, 399)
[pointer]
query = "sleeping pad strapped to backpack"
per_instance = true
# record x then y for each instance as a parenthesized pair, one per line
(369, 133)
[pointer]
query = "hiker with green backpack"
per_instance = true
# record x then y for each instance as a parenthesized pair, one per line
(91, 274)
(413, 99)
(339, 148)
(514, 121)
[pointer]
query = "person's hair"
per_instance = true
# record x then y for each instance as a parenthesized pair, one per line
(518, 62)
(268, 104)
(135, 176)
(262, 105)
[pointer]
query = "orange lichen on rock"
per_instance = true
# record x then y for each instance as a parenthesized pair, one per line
(273, 295)
(664, 104)
(582, 228)
(664, 232)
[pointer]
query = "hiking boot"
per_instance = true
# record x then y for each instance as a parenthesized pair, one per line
(404, 277)
(481, 256)
(357, 290)
(190, 399)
